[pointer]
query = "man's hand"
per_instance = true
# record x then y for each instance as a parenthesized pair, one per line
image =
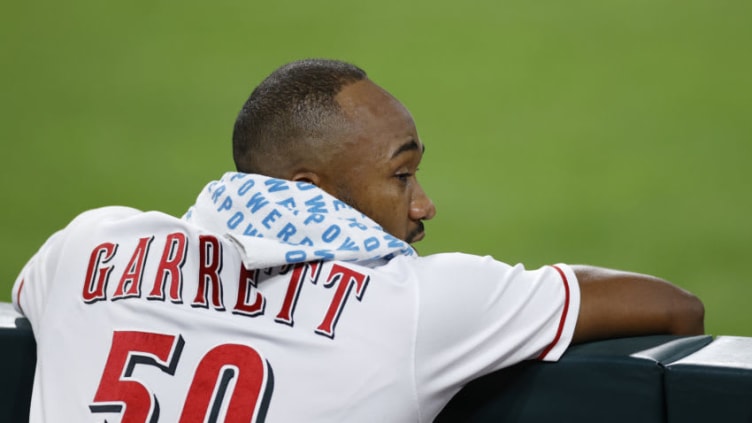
(617, 304)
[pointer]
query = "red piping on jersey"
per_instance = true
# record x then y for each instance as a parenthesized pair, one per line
(563, 314)
(18, 294)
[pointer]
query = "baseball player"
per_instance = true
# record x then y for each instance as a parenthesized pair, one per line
(290, 290)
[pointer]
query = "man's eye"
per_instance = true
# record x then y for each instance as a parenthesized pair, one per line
(403, 176)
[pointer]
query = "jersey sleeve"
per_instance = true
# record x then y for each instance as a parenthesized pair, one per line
(477, 315)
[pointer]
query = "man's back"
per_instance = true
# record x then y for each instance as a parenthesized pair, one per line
(163, 319)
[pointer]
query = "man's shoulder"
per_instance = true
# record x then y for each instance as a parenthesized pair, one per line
(122, 219)
(447, 258)
(107, 212)
(440, 263)
(110, 214)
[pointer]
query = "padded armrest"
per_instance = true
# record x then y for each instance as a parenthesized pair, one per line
(17, 361)
(713, 384)
(618, 380)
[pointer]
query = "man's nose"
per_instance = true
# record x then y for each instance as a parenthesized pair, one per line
(421, 207)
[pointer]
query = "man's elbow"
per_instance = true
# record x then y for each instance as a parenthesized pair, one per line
(688, 317)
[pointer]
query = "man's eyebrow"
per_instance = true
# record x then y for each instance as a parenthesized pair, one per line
(408, 146)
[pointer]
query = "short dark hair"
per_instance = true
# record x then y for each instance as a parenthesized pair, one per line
(295, 104)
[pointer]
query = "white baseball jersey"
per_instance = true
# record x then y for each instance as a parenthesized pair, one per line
(143, 317)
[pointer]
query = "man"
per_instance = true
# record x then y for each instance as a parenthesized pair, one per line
(290, 291)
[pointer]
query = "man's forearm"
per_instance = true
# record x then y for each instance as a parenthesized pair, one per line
(616, 303)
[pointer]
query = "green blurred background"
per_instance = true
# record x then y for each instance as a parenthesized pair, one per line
(615, 133)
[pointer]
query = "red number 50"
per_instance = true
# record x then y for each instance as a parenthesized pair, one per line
(118, 392)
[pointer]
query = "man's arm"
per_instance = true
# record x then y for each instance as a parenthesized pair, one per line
(616, 304)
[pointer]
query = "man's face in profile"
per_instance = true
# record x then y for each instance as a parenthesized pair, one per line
(380, 154)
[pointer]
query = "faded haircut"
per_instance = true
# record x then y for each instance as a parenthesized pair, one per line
(292, 106)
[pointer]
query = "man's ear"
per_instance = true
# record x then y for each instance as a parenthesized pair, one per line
(307, 176)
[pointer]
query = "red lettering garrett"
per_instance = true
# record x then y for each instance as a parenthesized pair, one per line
(168, 280)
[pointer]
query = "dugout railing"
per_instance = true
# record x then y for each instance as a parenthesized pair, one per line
(642, 379)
